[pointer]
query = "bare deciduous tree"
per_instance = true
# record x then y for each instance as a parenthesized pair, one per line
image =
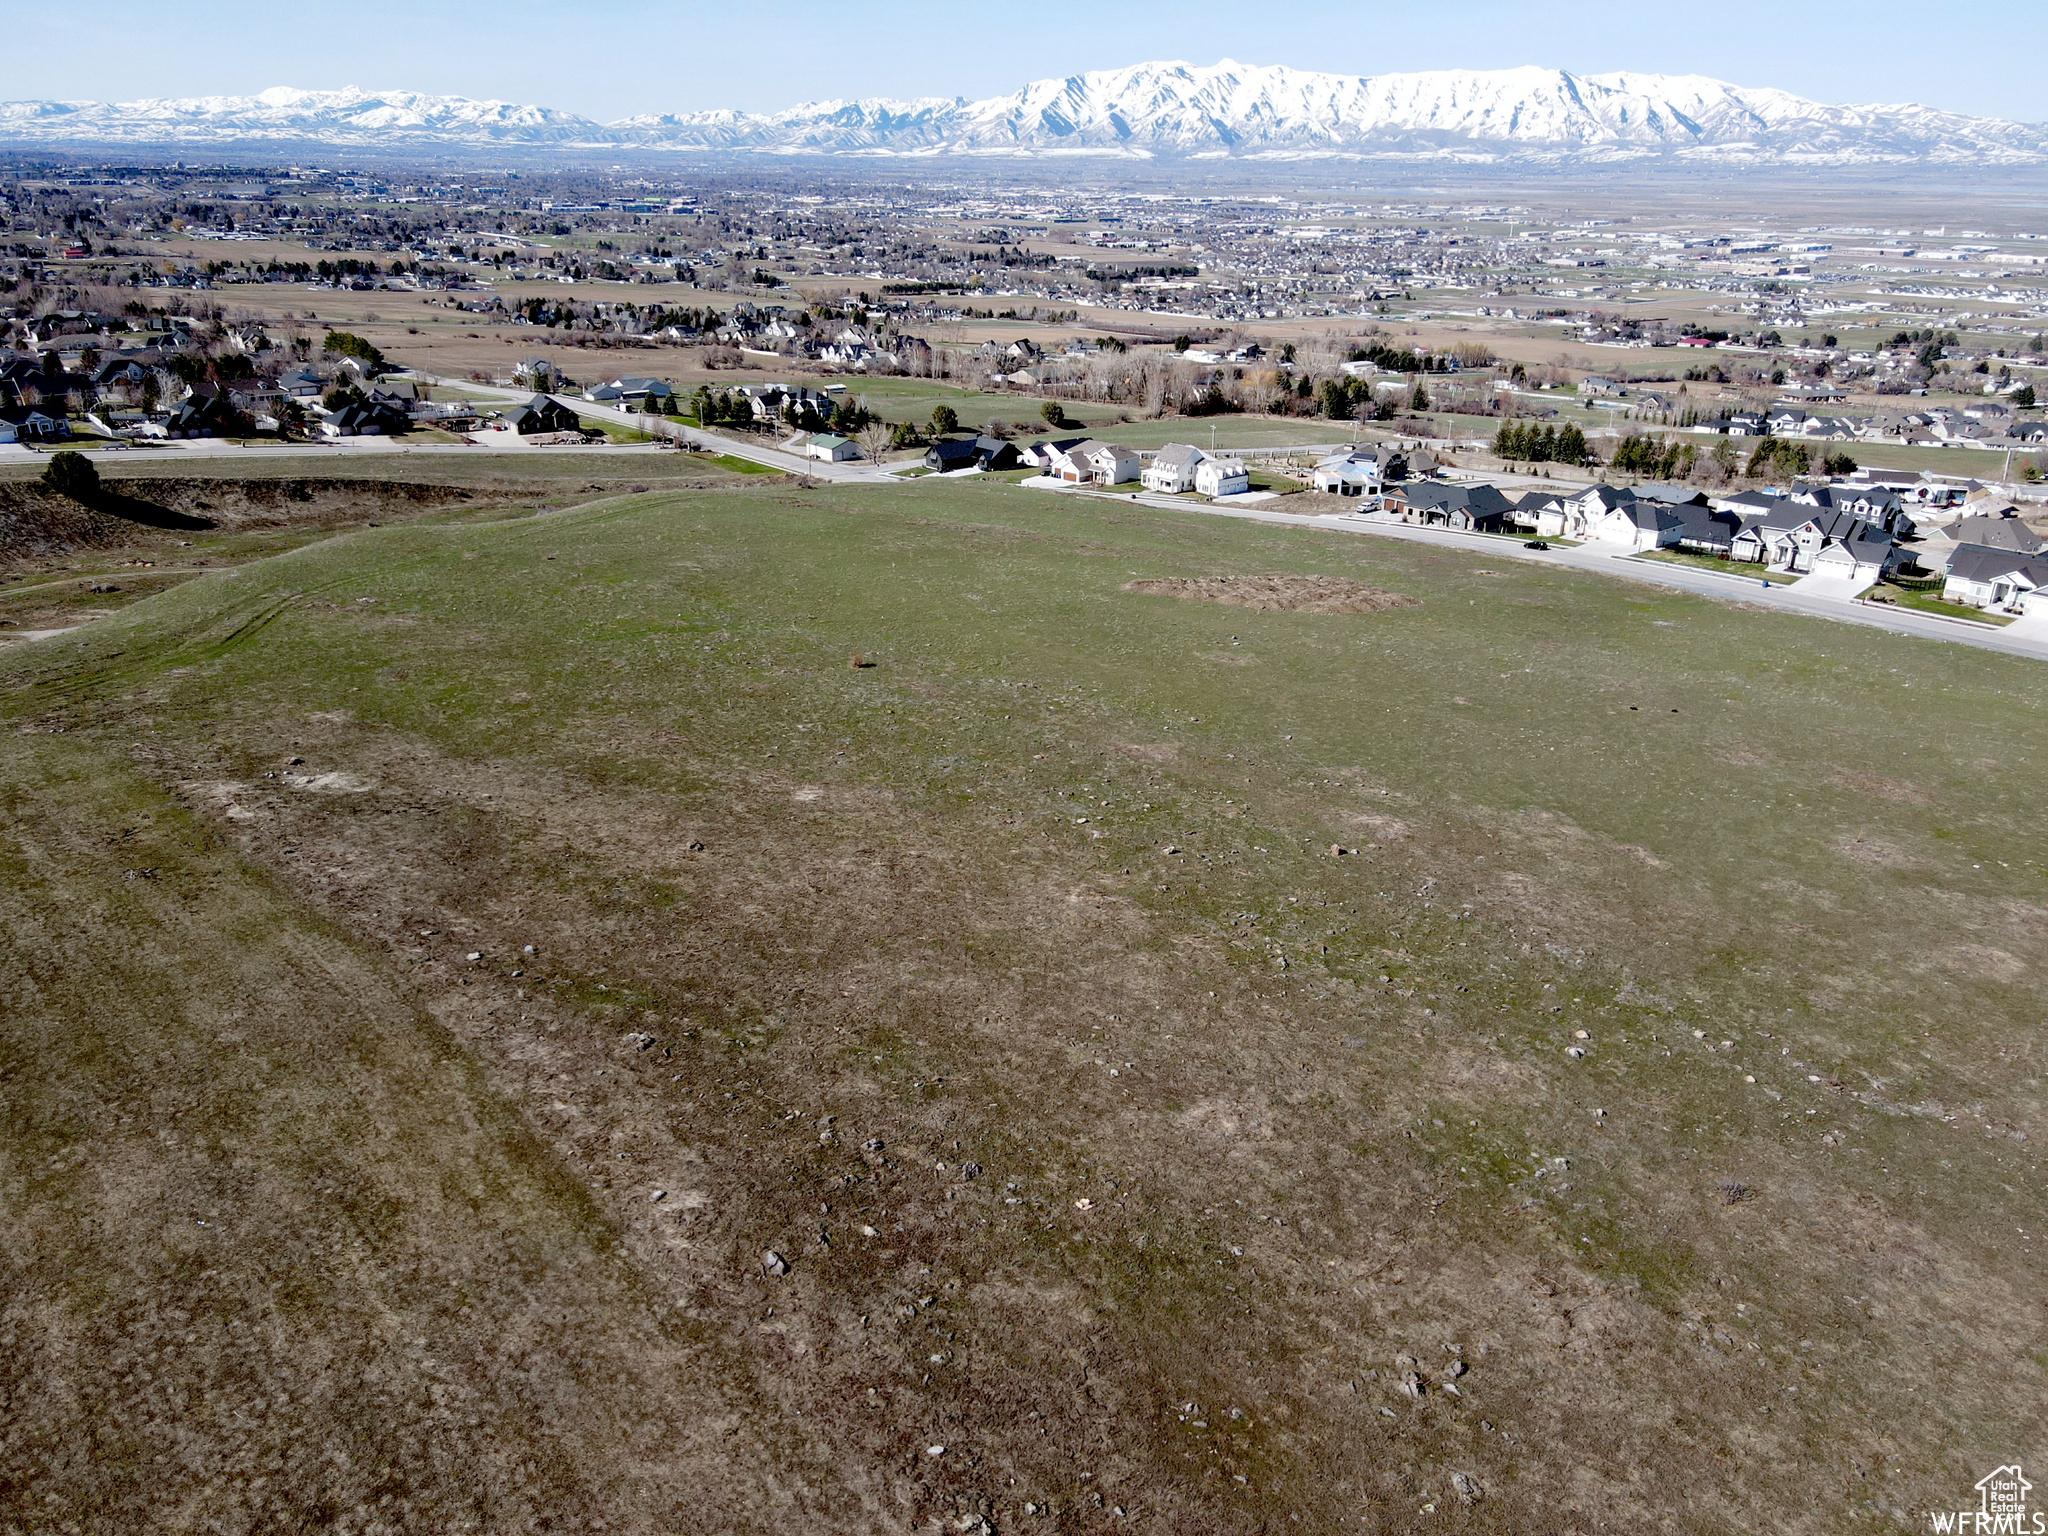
(874, 440)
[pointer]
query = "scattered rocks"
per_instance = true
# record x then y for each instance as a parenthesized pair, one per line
(872, 1144)
(774, 1263)
(1576, 1052)
(1467, 1488)
(657, 1196)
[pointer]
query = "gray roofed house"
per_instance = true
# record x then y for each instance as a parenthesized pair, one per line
(1985, 577)
(1996, 532)
(1671, 493)
(1703, 529)
(1471, 508)
(1748, 503)
(1172, 469)
(1793, 533)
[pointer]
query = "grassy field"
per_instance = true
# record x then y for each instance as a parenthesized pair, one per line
(1652, 1083)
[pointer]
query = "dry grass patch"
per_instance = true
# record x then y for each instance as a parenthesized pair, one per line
(1277, 594)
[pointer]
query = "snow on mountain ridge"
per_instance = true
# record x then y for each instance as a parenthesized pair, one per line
(1151, 109)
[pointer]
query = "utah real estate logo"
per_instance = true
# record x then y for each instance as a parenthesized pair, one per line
(2001, 1510)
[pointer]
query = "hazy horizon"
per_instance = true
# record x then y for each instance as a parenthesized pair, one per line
(696, 58)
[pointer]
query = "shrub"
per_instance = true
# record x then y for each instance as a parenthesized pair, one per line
(72, 474)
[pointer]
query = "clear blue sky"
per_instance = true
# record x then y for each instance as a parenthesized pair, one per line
(610, 61)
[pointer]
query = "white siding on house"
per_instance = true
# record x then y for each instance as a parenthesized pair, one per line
(1222, 477)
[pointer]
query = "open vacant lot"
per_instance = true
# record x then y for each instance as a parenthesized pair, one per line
(740, 1007)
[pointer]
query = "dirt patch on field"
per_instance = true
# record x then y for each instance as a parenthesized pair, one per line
(1860, 848)
(1277, 594)
(1147, 752)
(1741, 755)
(1878, 787)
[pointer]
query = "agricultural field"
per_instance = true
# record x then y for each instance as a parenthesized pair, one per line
(736, 1006)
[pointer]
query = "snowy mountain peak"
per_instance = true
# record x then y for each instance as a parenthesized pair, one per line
(1150, 110)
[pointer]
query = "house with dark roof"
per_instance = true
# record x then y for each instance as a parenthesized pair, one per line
(1981, 576)
(1703, 529)
(632, 393)
(205, 414)
(1792, 535)
(1997, 532)
(371, 417)
(32, 424)
(957, 453)
(1876, 505)
(1466, 508)
(1864, 558)
(544, 414)
(1746, 504)
(120, 373)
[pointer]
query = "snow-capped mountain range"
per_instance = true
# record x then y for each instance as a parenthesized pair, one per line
(1225, 111)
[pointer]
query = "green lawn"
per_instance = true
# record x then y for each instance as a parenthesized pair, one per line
(1743, 569)
(1932, 602)
(909, 898)
(741, 466)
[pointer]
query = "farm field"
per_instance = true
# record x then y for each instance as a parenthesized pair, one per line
(730, 1005)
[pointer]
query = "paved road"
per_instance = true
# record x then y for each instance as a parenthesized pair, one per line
(858, 472)
(2022, 639)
